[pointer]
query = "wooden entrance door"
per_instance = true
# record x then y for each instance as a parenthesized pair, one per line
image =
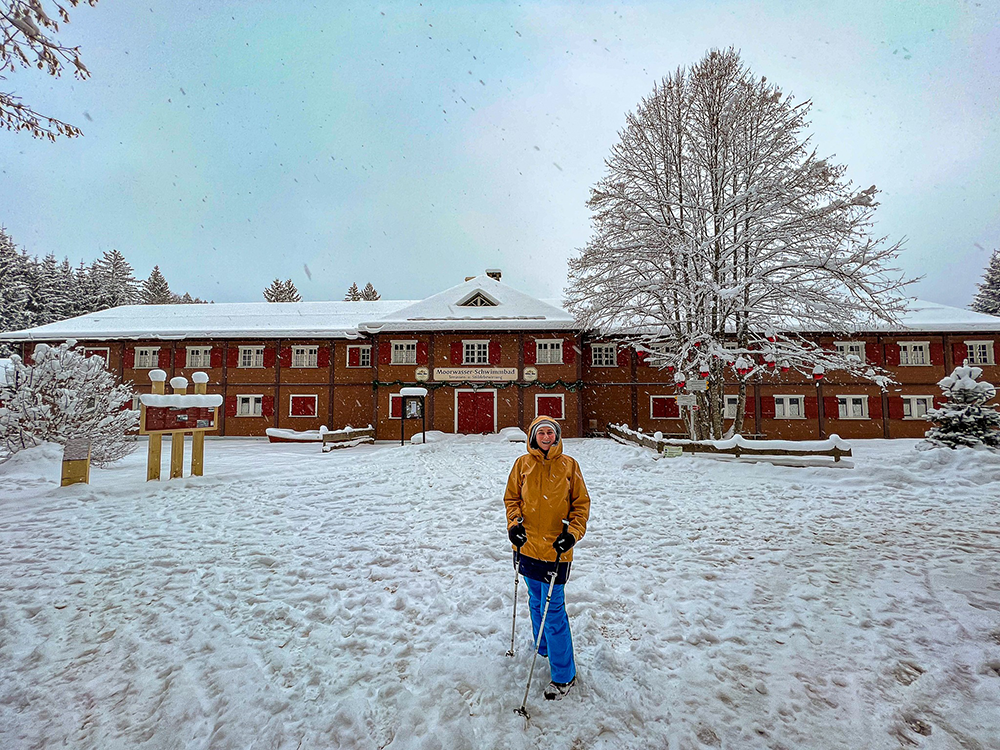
(475, 412)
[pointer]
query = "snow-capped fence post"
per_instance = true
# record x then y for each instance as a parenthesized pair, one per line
(157, 378)
(76, 462)
(180, 386)
(198, 439)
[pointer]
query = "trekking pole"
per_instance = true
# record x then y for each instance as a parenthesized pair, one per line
(517, 579)
(523, 711)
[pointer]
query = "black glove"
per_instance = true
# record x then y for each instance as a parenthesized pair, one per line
(517, 535)
(564, 542)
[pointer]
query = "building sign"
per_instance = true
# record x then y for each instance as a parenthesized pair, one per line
(697, 385)
(475, 373)
(171, 418)
(531, 374)
(687, 399)
(422, 375)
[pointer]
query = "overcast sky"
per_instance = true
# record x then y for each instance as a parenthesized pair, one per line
(411, 145)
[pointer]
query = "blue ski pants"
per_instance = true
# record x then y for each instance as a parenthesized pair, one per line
(557, 641)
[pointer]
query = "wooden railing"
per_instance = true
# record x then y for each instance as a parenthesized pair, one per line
(735, 446)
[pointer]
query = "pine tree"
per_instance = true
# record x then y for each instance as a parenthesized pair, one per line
(86, 285)
(116, 281)
(965, 420)
(155, 290)
(282, 291)
(987, 300)
(353, 293)
(63, 395)
(14, 286)
(48, 300)
(369, 293)
(67, 283)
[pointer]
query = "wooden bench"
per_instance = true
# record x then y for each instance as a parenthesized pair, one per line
(347, 437)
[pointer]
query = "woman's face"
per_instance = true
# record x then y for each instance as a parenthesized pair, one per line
(545, 436)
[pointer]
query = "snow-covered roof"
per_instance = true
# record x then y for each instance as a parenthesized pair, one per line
(931, 316)
(217, 320)
(500, 306)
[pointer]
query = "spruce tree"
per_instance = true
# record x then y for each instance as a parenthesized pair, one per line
(353, 293)
(155, 290)
(14, 288)
(369, 293)
(282, 291)
(965, 419)
(117, 284)
(987, 300)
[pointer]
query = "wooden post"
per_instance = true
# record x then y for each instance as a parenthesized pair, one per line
(198, 440)
(155, 441)
(179, 385)
(76, 462)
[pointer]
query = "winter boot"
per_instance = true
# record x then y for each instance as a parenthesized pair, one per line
(556, 691)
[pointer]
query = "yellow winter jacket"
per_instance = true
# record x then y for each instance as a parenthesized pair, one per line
(543, 490)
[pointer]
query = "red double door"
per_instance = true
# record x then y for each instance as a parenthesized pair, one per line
(476, 412)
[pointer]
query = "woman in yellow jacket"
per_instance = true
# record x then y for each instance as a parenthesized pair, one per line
(545, 488)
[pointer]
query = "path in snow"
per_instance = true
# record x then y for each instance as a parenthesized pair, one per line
(361, 599)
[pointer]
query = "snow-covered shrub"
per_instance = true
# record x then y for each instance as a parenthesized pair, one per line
(965, 419)
(64, 395)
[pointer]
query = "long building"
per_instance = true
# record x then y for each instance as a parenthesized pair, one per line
(493, 357)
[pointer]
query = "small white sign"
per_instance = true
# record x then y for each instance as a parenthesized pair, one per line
(697, 385)
(686, 399)
(673, 451)
(422, 375)
(530, 374)
(475, 373)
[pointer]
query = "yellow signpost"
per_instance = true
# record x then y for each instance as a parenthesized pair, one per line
(176, 414)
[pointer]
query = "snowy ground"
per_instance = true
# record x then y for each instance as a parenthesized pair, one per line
(362, 599)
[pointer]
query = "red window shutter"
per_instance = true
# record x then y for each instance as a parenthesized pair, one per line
(892, 355)
(163, 358)
(643, 358)
(749, 410)
(215, 358)
(422, 353)
(623, 356)
(939, 401)
(395, 407)
(531, 351)
(767, 407)
(284, 357)
(550, 406)
(895, 407)
(385, 353)
(323, 356)
(180, 356)
(128, 357)
(233, 357)
(873, 353)
(268, 356)
(569, 351)
(875, 407)
(353, 356)
(831, 407)
(267, 405)
(937, 353)
(812, 407)
(231, 406)
(959, 352)
(457, 352)
(494, 350)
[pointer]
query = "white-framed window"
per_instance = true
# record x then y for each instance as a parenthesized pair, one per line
(359, 355)
(147, 357)
(603, 355)
(249, 406)
(731, 403)
(914, 353)
(304, 356)
(663, 407)
(98, 351)
(550, 405)
(549, 351)
(852, 407)
(404, 353)
(476, 352)
(251, 356)
(980, 353)
(198, 356)
(851, 349)
(302, 405)
(915, 407)
(730, 345)
(789, 407)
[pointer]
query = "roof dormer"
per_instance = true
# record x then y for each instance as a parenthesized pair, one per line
(478, 298)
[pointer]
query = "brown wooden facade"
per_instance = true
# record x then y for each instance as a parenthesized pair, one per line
(337, 384)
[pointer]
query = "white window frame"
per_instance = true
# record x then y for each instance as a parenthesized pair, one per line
(249, 399)
(551, 347)
(147, 357)
(364, 350)
(653, 398)
(844, 349)
(401, 352)
(784, 398)
(848, 398)
(562, 402)
(253, 354)
(975, 361)
(731, 401)
(98, 351)
(479, 347)
(315, 399)
(204, 353)
(595, 360)
(907, 347)
(305, 356)
(911, 402)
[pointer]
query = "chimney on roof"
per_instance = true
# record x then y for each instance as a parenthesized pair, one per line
(469, 278)
(493, 273)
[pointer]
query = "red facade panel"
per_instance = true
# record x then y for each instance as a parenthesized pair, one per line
(569, 351)
(216, 357)
(422, 353)
(267, 405)
(812, 407)
(323, 356)
(494, 352)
